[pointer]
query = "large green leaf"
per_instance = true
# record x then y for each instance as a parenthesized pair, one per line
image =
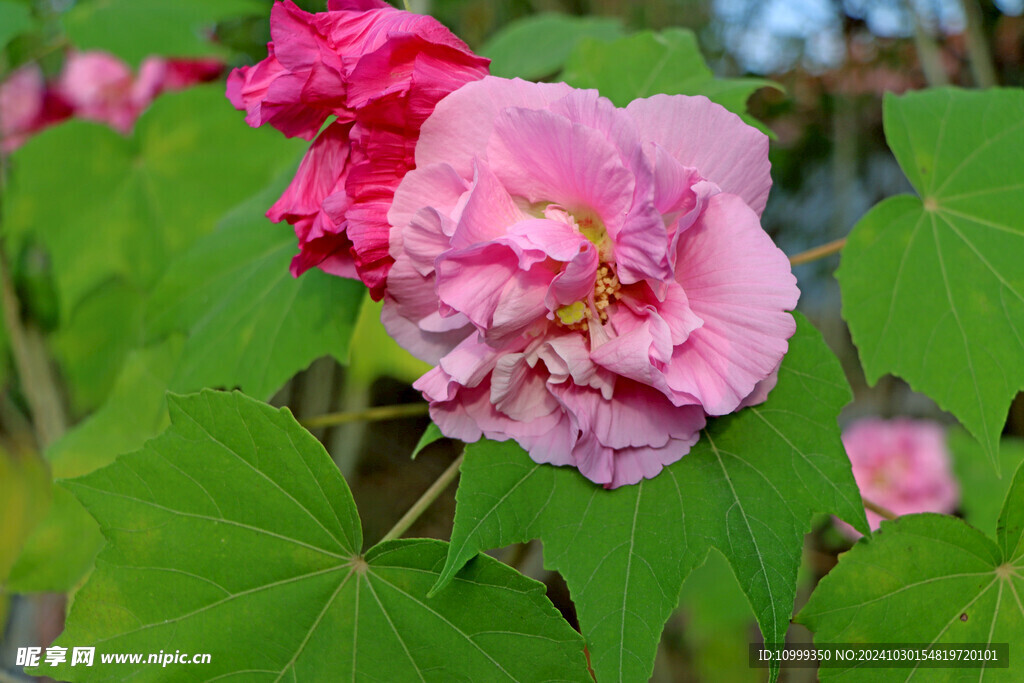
(15, 18)
(537, 46)
(250, 324)
(648, 63)
(749, 488)
(927, 579)
(234, 534)
(134, 29)
(933, 288)
(121, 207)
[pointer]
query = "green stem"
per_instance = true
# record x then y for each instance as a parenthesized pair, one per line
(818, 252)
(928, 51)
(425, 501)
(368, 415)
(406, 4)
(883, 512)
(979, 55)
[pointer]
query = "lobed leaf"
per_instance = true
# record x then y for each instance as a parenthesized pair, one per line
(749, 488)
(927, 579)
(932, 286)
(236, 518)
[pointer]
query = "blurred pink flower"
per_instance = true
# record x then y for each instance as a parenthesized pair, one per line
(378, 72)
(100, 87)
(22, 100)
(902, 465)
(590, 281)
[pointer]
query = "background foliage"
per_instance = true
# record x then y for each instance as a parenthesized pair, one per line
(141, 264)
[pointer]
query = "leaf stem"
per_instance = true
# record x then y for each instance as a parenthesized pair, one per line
(818, 252)
(425, 501)
(883, 512)
(369, 415)
(406, 4)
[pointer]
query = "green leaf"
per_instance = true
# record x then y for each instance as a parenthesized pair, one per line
(250, 324)
(983, 490)
(375, 354)
(236, 511)
(927, 579)
(432, 434)
(537, 46)
(718, 620)
(92, 346)
(749, 488)
(647, 63)
(932, 286)
(135, 411)
(24, 499)
(120, 207)
(15, 18)
(134, 29)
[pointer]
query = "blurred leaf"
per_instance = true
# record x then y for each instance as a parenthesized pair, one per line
(60, 549)
(375, 354)
(134, 29)
(122, 207)
(94, 343)
(430, 435)
(242, 511)
(933, 288)
(927, 579)
(250, 324)
(749, 487)
(647, 63)
(982, 490)
(24, 499)
(537, 46)
(15, 18)
(718, 622)
(135, 412)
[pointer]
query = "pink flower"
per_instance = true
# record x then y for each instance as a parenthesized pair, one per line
(100, 87)
(378, 72)
(902, 465)
(21, 105)
(590, 281)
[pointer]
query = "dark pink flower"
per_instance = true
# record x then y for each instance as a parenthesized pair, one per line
(590, 281)
(902, 465)
(377, 72)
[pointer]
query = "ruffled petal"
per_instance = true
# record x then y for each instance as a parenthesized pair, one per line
(713, 140)
(740, 284)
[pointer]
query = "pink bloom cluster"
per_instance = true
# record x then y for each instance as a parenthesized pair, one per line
(92, 85)
(902, 465)
(590, 281)
(376, 73)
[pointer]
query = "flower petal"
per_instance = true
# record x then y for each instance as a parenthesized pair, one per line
(713, 140)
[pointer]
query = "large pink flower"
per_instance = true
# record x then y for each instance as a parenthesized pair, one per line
(902, 465)
(590, 281)
(378, 72)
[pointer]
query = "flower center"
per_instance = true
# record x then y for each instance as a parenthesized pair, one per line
(579, 314)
